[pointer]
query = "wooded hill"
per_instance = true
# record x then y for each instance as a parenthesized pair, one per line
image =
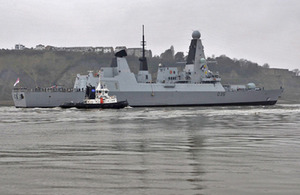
(47, 68)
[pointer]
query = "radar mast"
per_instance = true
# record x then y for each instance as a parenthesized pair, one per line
(143, 59)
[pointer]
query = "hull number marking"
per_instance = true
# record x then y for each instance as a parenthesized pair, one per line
(221, 94)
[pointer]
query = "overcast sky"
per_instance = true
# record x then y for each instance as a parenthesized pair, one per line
(262, 31)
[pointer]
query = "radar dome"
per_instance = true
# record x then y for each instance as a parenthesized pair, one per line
(203, 61)
(251, 86)
(196, 34)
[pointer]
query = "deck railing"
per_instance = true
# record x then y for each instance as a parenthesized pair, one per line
(49, 89)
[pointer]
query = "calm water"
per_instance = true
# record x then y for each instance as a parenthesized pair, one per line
(192, 150)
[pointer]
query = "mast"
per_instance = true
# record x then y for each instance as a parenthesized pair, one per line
(143, 59)
(143, 43)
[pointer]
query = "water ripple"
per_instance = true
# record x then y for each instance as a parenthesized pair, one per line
(185, 150)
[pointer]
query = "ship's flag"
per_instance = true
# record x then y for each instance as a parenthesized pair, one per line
(17, 81)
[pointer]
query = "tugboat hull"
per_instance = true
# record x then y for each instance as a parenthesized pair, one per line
(117, 105)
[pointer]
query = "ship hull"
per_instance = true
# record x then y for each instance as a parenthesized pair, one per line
(154, 98)
(116, 105)
(44, 99)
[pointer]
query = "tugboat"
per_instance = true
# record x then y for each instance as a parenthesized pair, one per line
(97, 98)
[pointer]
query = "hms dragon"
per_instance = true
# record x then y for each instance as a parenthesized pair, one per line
(196, 85)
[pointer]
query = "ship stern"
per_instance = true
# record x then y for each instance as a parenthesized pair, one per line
(19, 99)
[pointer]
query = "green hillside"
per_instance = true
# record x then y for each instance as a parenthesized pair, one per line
(46, 68)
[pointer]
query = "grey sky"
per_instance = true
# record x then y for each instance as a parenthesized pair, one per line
(263, 31)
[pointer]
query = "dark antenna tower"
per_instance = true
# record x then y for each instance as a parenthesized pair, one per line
(143, 59)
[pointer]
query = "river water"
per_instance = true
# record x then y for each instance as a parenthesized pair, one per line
(172, 150)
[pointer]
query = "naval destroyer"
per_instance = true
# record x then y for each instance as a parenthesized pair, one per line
(196, 85)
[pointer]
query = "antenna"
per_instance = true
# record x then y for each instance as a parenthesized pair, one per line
(143, 42)
(143, 60)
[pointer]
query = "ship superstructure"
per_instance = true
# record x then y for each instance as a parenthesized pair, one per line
(196, 85)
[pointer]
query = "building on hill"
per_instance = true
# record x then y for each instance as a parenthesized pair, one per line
(78, 49)
(98, 49)
(130, 51)
(138, 52)
(50, 48)
(119, 48)
(40, 47)
(108, 49)
(19, 47)
(104, 49)
(277, 71)
(70, 49)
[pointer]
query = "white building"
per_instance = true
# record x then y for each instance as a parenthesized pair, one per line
(19, 47)
(98, 49)
(108, 49)
(40, 47)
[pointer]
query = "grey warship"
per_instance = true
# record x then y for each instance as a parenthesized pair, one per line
(196, 85)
